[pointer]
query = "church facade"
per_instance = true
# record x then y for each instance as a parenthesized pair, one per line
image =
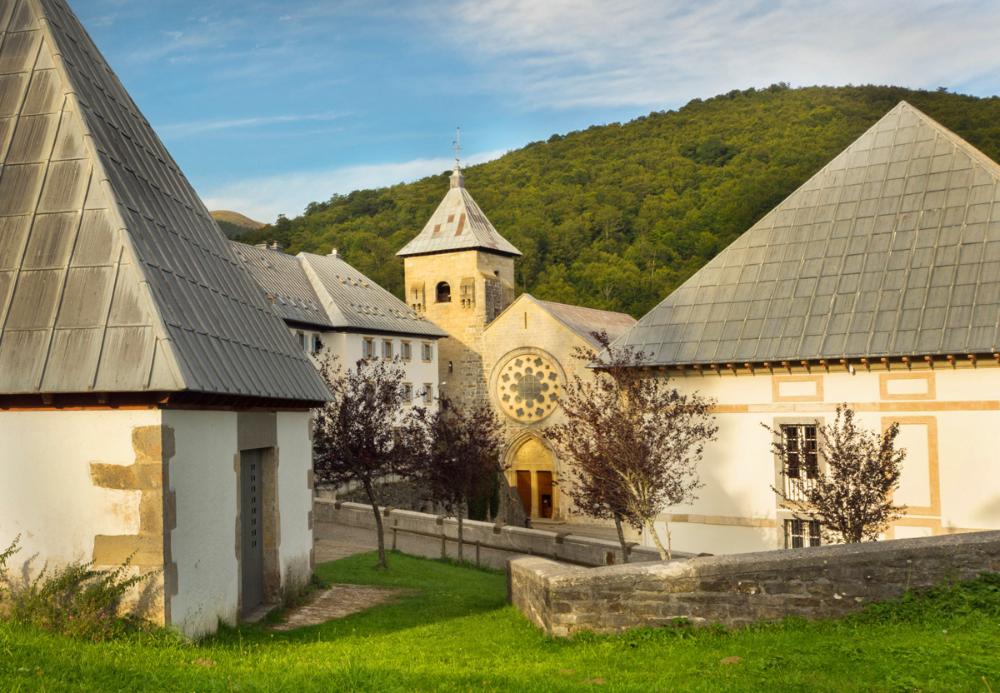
(514, 354)
(876, 284)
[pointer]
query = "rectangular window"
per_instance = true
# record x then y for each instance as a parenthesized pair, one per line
(801, 458)
(427, 351)
(302, 340)
(428, 393)
(407, 393)
(800, 533)
(368, 348)
(387, 348)
(405, 351)
(317, 345)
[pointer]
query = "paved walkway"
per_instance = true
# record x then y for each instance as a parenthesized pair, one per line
(339, 541)
(335, 602)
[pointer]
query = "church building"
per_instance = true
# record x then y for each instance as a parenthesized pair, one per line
(515, 354)
(876, 284)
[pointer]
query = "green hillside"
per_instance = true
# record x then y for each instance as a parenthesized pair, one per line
(617, 216)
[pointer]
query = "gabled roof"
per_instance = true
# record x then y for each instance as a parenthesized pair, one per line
(891, 250)
(113, 276)
(586, 321)
(582, 321)
(353, 301)
(283, 281)
(458, 224)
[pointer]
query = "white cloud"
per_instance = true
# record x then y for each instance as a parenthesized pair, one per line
(265, 197)
(569, 53)
(200, 127)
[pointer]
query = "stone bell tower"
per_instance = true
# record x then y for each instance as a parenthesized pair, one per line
(460, 275)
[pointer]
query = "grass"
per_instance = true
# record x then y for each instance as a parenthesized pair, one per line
(452, 630)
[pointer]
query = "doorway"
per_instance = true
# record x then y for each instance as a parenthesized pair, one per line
(251, 530)
(533, 470)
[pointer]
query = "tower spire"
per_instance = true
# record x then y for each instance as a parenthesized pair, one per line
(457, 179)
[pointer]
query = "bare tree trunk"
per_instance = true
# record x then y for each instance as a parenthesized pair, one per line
(621, 537)
(665, 553)
(461, 511)
(382, 564)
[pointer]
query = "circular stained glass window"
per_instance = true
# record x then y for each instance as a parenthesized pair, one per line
(528, 387)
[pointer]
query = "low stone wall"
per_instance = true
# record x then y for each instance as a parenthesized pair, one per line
(486, 543)
(739, 589)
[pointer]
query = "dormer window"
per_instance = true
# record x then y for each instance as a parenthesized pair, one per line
(443, 293)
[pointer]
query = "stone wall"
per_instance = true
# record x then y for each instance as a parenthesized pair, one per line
(487, 544)
(739, 589)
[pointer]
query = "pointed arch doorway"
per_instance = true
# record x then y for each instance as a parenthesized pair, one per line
(532, 472)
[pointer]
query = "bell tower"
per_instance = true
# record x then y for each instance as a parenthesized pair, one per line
(459, 273)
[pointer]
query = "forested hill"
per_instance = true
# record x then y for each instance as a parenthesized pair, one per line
(617, 216)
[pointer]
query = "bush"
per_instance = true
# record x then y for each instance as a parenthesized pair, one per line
(77, 599)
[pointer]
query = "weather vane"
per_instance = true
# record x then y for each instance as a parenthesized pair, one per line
(457, 145)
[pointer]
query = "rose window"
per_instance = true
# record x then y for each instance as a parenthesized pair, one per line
(528, 387)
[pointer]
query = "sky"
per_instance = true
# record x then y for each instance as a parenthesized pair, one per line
(269, 105)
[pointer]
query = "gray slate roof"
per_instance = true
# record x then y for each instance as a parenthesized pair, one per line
(284, 283)
(113, 276)
(892, 249)
(586, 321)
(353, 301)
(458, 224)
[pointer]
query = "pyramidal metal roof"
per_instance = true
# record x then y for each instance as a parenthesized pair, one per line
(113, 276)
(328, 293)
(891, 250)
(458, 224)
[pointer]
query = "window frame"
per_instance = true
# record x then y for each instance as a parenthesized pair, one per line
(426, 352)
(428, 393)
(406, 350)
(802, 531)
(387, 349)
(368, 348)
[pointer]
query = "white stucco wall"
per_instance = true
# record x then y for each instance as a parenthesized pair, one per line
(46, 493)
(950, 427)
(203, 544)
(348, 347)
(294, 497)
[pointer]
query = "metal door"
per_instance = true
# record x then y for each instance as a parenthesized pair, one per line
(251, 520)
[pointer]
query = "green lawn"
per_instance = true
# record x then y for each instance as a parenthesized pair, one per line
(454, 631)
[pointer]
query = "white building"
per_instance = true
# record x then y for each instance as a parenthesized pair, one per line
(333, 309)
(875, 284)
(152, 405)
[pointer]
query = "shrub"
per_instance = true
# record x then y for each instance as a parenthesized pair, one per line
(77, 599)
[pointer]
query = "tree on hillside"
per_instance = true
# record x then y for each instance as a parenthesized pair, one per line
(463, 459)
(632, 441)
(844, 480)
(365, 433)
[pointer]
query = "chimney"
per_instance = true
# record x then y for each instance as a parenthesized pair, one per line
(275, 246)
(334, 253)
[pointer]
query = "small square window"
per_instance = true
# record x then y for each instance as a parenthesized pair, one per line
(801, 533)
(427, 351)
(428, 393)
(387, 348)
(406, 351)
(368, 348)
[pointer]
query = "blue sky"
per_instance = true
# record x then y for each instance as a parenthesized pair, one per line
(270, 105)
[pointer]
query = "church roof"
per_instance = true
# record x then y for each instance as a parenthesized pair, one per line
(586, 321)
(113, 276)
(458, 224)
(891, 250)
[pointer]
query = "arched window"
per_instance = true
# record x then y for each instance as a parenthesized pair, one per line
(443, 292)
